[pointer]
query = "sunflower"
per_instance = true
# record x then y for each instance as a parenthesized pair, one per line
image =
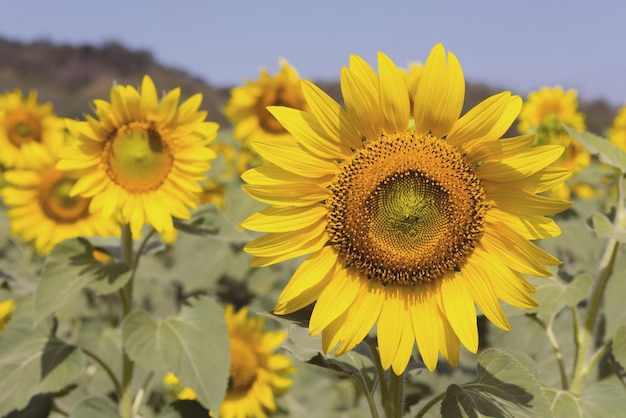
(247, 110)
(40, 207)
(256, 372)
(406, 228)
(24, 124)
(6, 308)
(617, 131)
(544, 113)
(140, 159)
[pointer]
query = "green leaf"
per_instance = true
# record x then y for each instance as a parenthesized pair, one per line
(208, 220)
(607, 152)
(503, 388)
(600, 399)
(603, 226)
(32, 361)
(68, 269)
(95, 406)
(619, 345)
(553, 294)
(193, 345)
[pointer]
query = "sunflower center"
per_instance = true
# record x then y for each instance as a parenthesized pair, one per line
(56, 202)
(23, 128)
(275, 97)
(405, 209)
(138, 159)
(244, 364)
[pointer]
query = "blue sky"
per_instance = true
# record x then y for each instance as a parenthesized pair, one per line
(518, 45)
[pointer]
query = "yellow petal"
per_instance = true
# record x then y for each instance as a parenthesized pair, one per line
(440, 93)
(524, 164)
(529, 227)
(458, 306)
(306, 129)
(361, 104)
(310, 272)
(288, 195)
(425, 317)
(278, 243)
(290, 301)
(394, 96)
(480, 120)
(284, 219)
(292, 157)
(331, 116)
(483, 294)
(390, 325)
(329, 306)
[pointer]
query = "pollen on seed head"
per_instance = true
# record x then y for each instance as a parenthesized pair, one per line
(405, 209)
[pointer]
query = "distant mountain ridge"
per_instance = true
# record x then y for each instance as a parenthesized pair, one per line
(71, 77)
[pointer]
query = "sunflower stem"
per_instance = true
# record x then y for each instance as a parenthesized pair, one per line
(382, 378)
(126, 293)
(396, 389)
(605, 270)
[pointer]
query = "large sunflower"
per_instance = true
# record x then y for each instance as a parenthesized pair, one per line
(409, 229)
(40, 207)
(256, 372)
(24, 124)
(141, 159)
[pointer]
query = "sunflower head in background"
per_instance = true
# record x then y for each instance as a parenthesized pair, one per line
(257, 374)
(26, 124)
(140, 159)
(247, 110)
(544, 113)
(617, 130)
(41, 208)
(405, 228)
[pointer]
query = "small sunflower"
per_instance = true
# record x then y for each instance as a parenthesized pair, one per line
(617, 131)
(140, 159)
(24, 124)
(6, 308)
(544, 113)
(256, 372)
(40, 207)
(406, 228)
(247, 110)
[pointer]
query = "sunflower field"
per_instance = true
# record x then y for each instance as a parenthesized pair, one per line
(389, 253)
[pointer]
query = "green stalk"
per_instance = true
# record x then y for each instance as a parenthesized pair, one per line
(396, 389)
(556, 348)
(605, 271)
(126, 293)
(382, 377)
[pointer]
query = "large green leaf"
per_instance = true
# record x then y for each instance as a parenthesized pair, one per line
(96, 406)
(503, 388)
(194, 345)
(553, 294)
(606, 151)
(69, 268)
(597, 400)
(33, 361)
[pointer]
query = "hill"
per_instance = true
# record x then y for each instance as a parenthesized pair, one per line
(71, 77)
